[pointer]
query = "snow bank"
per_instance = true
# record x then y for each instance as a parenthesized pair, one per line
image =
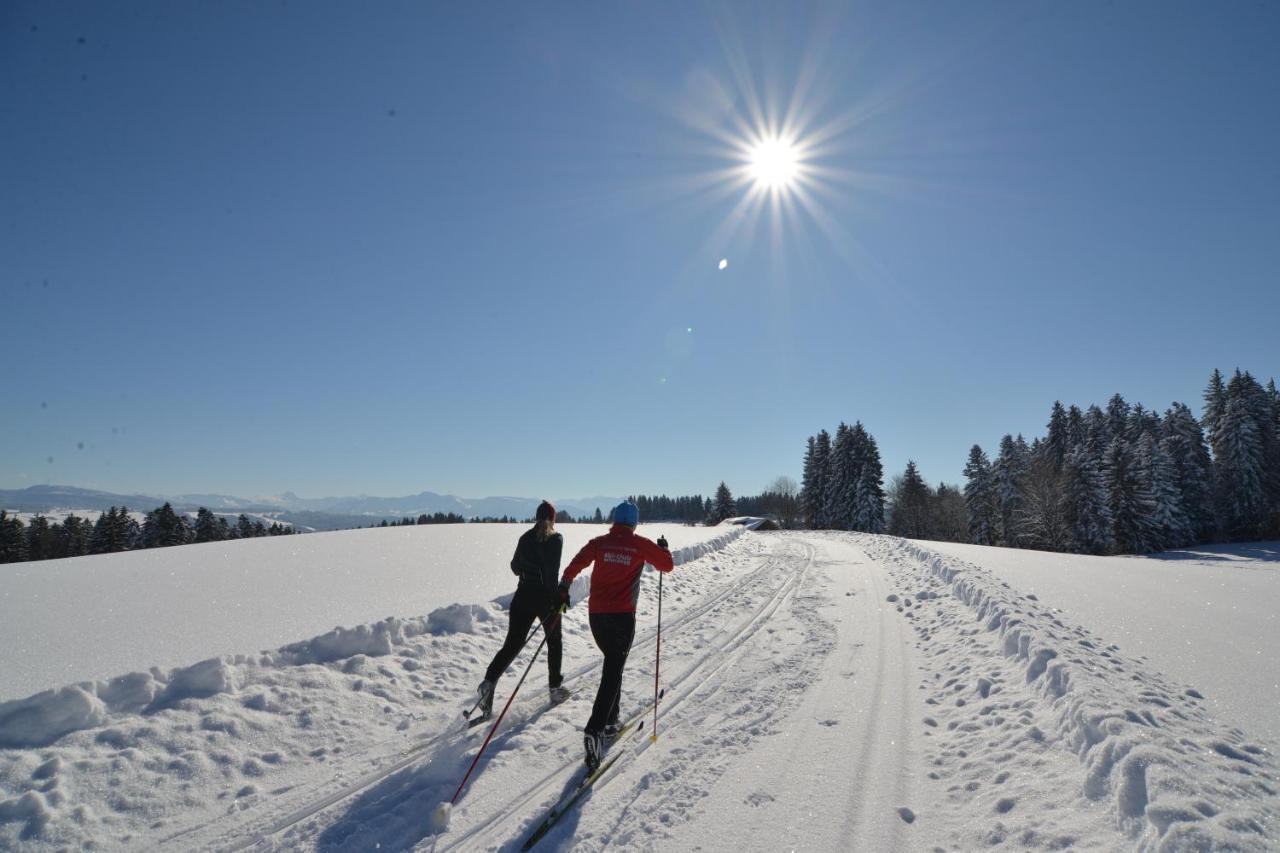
(47, 716)
(1205, 616)
(692, 552)
(1173, 777)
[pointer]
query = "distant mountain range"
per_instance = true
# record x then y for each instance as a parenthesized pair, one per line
(330, 512)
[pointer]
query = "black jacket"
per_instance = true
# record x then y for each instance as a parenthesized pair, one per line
(537, 564)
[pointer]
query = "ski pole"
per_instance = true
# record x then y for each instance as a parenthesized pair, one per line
(466, 715)
(510, 699)
(657, 665)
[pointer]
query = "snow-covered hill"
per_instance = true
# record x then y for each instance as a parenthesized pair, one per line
(823, 691)
(94, 617)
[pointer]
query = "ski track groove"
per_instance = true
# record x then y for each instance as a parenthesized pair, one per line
(407, 756)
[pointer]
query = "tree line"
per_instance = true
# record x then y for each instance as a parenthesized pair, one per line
(116, 530)
(1126, 479)
(842, 484)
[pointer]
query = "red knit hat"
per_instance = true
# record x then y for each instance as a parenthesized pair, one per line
(546, 512)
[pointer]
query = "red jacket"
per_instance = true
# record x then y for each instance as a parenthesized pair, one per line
(619, 556)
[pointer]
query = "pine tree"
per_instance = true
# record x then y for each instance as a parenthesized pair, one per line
(13, 539)
(841, 481)
(1117, 417)
(40, 542)
(979, 498)
(1215, 407)
(206, 526)
(1127, 500)
(910, 515)
(1076, 428)
(1241, 498)
(868, 513)
(1168, 522)
(1193, 470)
(809, 500)
(1084, 504)
(724, 506)
(822, 468)
(1008, 475)
(1058, 442)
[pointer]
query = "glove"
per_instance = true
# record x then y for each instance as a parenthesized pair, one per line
(562, 595)
(662, 542)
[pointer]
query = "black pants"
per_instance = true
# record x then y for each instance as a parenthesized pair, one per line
(613, 633)
(525, 607)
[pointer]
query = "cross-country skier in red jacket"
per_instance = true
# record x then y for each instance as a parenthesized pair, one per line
(619, 558)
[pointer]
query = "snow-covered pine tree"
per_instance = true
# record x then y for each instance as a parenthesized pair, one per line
(1058, 441)
(1240, 492)
(1008, 472)
(858, 449)
(822, 468)
(868, 515)
(1167, 521)
(206, 526)
(1076, 429)
(808, 498)
(909, 514)
(1117, 417)
(1215, 406)
(1184, 442)
(1097, 434)
(724, 506)
(979, 498)
(1127, 500)
(840, 482)
(1084, 504)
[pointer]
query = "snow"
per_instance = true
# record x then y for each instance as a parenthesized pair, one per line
(86, 618)
(1207, 616)
(823, 691)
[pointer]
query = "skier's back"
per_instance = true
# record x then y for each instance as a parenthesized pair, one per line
(536, 563)
(619, 557)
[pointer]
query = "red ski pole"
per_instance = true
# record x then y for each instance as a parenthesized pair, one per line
(494, 728)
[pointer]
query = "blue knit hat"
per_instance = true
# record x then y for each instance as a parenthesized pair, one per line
(626, 513)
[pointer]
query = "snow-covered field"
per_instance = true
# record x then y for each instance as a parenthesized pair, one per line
(1208, 616)
(824, 691)
(89, 618)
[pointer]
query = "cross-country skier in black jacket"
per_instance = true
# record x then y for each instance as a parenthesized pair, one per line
(537, 564)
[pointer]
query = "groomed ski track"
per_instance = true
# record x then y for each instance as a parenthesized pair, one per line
(788, 705)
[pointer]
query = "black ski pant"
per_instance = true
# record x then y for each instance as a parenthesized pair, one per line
(525, 607)
(613, 633)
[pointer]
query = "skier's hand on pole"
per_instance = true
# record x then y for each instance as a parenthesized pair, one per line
(662, 542)
(562, 593)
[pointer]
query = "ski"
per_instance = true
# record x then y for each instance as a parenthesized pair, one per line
(558, 811)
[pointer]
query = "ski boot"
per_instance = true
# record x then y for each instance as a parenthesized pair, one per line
(611, 731)
(485, 701)
(559, 694)
(593, 744)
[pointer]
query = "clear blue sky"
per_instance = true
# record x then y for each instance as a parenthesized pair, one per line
(381, 248)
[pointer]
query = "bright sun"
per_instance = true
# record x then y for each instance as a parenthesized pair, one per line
(774, 164)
